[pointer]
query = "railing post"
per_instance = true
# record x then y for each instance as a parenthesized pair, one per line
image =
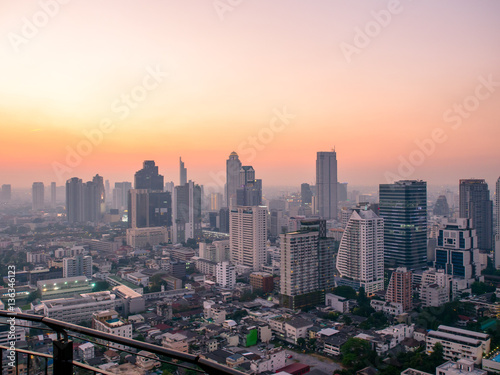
(63, 356)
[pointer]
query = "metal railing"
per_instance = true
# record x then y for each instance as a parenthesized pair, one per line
(62, 357)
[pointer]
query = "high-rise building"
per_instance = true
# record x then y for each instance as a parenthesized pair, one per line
(182, 173)
(400, 288)
(120, 195)
(360, 260)
(475, 204)
(224, 220)
(441, 207)
(148, 177)
(342, 191)
(74, 200)
(53, 194)
(403, 206)
(186, 212)
(101, 194)
(225, 275)
(497, 236)
(306, 194)
(79, 265)
(457, 252)
(233, 166)
(92, 201)
(38, 195)
(6, 193)
(215, 201)
(148, 209)
(248, 236)
(326, 184)
(249, 192)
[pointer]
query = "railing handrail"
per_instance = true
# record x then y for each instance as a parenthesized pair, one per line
(60, 326)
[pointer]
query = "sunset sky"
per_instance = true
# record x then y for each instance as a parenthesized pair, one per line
(226, 71)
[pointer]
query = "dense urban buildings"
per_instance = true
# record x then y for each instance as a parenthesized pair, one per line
(326, 184)
(360, 260)
(403, 206)
(475, 204)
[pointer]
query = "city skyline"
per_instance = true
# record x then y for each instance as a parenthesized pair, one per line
(206, 86)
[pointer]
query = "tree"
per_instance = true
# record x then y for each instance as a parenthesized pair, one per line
(100, 286)
(34, 295)
(345, 291)
(301, 342)
(355, 352)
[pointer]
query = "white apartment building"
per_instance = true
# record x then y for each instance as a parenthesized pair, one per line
(391, 308)
(79, 265)
(225, 275)
(360, 260)
(110, 322)
(248, 236)
(337, 303)
(78, 309)
(459, 343)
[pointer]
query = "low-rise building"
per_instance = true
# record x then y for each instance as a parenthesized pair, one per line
(389, 308)
(337, 303)
(110, 322)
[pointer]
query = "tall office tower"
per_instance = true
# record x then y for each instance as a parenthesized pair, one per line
(169, 186)
(74, 200)
(299, 269)
(233, 166)
(400, 288)
(457, 252)
(107, 188)
(215, 201)
(276, 222)
(148, 177)
(148, 209)
(120, 195)
(92, 201)
(101, 193)
(53, 194)
(475, 204)
(249, 192)
(38, 195)
(224, 220)
(187, 212)
(138, 208)
(6, 193)
(497, 236)
(360, 260)
(326, 184)
(79, 265)
(248, 236)
(441, 207)
(327, 248)
(342, 191)
(183, 173)
(403, 206)
(306, 194)
(225, 275)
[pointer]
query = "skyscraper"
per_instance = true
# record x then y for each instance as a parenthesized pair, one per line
(38, 195)
(186, 208)
(497, 236)
(441, 207)
(101, 194)
(74, 200)
(475, 204)
(400, 288)
(360, 260)
(403, 206)
(248, 236)
(249, 192)
(149, 208)
(148, 177)
(306, 194)
(183, 173)
(233, 166)
(6, 193)
(120, 195)
(326, 184)
(53, 194)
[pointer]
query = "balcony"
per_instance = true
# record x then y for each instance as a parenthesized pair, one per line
(61, 362)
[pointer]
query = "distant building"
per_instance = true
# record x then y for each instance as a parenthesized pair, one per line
(79, 265)
(326, 184)
(182, 173)
(6, 194)
(186, 212)
(120, 195)
(262, 281)
(475, 204)
(38, 196)
(441, 207)
(53, 194)
(148, 177)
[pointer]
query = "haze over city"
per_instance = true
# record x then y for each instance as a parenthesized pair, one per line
(373, 79)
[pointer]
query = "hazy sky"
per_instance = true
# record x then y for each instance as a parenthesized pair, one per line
(200, 79)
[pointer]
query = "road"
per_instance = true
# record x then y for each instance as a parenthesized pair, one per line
(314, 361)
